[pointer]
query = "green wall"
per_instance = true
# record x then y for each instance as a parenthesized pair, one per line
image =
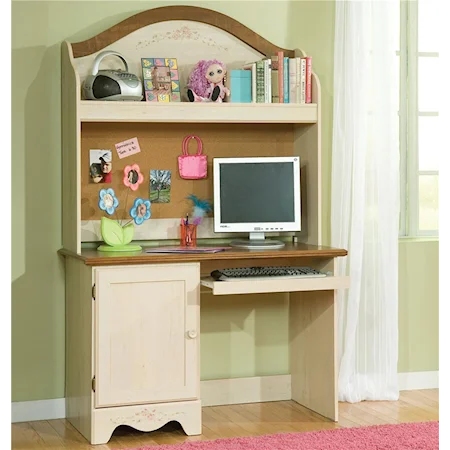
(229, 329)
(418, 305)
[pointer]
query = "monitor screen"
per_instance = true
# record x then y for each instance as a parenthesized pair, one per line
(257, 194)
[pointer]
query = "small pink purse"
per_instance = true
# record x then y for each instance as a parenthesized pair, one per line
(192, 167)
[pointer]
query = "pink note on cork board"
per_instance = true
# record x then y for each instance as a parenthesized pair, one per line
(128, 148)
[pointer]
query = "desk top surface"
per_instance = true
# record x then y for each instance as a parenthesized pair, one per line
(92, 257)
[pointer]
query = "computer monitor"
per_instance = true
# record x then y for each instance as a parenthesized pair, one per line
(257, 196)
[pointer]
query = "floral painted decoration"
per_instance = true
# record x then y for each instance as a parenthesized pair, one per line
(107, 200)
(132, 177)
(140, 211)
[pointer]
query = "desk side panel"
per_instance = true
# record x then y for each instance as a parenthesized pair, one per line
(313, 349)
(79, 371)
(70, 92)
(308, 145)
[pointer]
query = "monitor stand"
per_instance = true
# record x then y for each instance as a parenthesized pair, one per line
(257, 241)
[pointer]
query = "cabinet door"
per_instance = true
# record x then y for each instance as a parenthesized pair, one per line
(147, 334)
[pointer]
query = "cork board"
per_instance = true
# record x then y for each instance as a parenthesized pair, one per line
(160, 145)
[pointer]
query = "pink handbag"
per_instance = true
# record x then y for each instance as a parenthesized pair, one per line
(192, 167)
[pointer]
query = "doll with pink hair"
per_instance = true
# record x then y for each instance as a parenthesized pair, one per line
(206, 82)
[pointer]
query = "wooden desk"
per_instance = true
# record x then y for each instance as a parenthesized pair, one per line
(133, 333)
(133, 320)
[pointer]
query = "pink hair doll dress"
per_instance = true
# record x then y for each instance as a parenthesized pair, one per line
(206, 82)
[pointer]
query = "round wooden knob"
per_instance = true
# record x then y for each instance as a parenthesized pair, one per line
(192, 334)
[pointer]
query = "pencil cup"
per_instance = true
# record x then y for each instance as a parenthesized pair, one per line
(188, 235)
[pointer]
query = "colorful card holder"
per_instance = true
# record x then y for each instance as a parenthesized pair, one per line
(192, 167)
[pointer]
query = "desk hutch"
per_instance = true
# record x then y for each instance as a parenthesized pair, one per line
(132, 320)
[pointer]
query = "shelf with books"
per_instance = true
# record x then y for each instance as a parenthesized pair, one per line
(280, 79)
(128, 111)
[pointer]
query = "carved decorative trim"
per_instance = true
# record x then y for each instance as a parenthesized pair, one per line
(166, 13)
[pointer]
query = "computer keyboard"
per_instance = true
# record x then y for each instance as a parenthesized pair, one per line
(259, 273)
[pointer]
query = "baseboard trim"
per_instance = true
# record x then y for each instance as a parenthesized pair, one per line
(213, 392)
(411, 381)
(220, 392)
(38, 410)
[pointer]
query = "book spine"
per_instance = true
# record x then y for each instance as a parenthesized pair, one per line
(252, 67)
(303, 80)
(280, 75)
(286, 79)
(253, 83)
(275, 86)
(275, 62)
(266, 87)
(298, 79)
(308, 79)
(292, 79)
(275, 98)
(268, 80)
(260, 82)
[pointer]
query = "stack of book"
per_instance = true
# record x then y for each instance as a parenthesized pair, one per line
(280, 79)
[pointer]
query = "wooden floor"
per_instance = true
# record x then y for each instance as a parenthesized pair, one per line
(236, 420)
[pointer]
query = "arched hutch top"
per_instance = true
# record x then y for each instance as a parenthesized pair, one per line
(189, 34)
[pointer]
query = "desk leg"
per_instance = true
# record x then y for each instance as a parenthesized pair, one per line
(313, 351)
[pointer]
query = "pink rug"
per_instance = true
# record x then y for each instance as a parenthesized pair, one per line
(406, 436)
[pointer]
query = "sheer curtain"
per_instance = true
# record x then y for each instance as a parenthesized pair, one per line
(366, 196)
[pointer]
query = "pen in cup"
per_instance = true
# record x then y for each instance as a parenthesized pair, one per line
(188, 233)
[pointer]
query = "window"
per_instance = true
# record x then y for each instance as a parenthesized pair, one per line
(420, 93)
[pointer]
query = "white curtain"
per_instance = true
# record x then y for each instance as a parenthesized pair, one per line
(366, 196)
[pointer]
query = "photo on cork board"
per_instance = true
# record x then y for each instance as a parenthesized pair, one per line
(100, 166)
(133, 176)
(160, 185)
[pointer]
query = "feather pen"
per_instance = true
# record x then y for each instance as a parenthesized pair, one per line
(200, 210)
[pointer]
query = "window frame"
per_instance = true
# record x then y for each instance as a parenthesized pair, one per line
(409, 114)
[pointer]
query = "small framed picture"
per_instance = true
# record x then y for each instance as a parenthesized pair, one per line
(100, 166)
(160, 184)
(161, 79)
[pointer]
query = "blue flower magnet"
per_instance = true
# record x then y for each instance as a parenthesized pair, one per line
(140, 211)
(107, 200)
